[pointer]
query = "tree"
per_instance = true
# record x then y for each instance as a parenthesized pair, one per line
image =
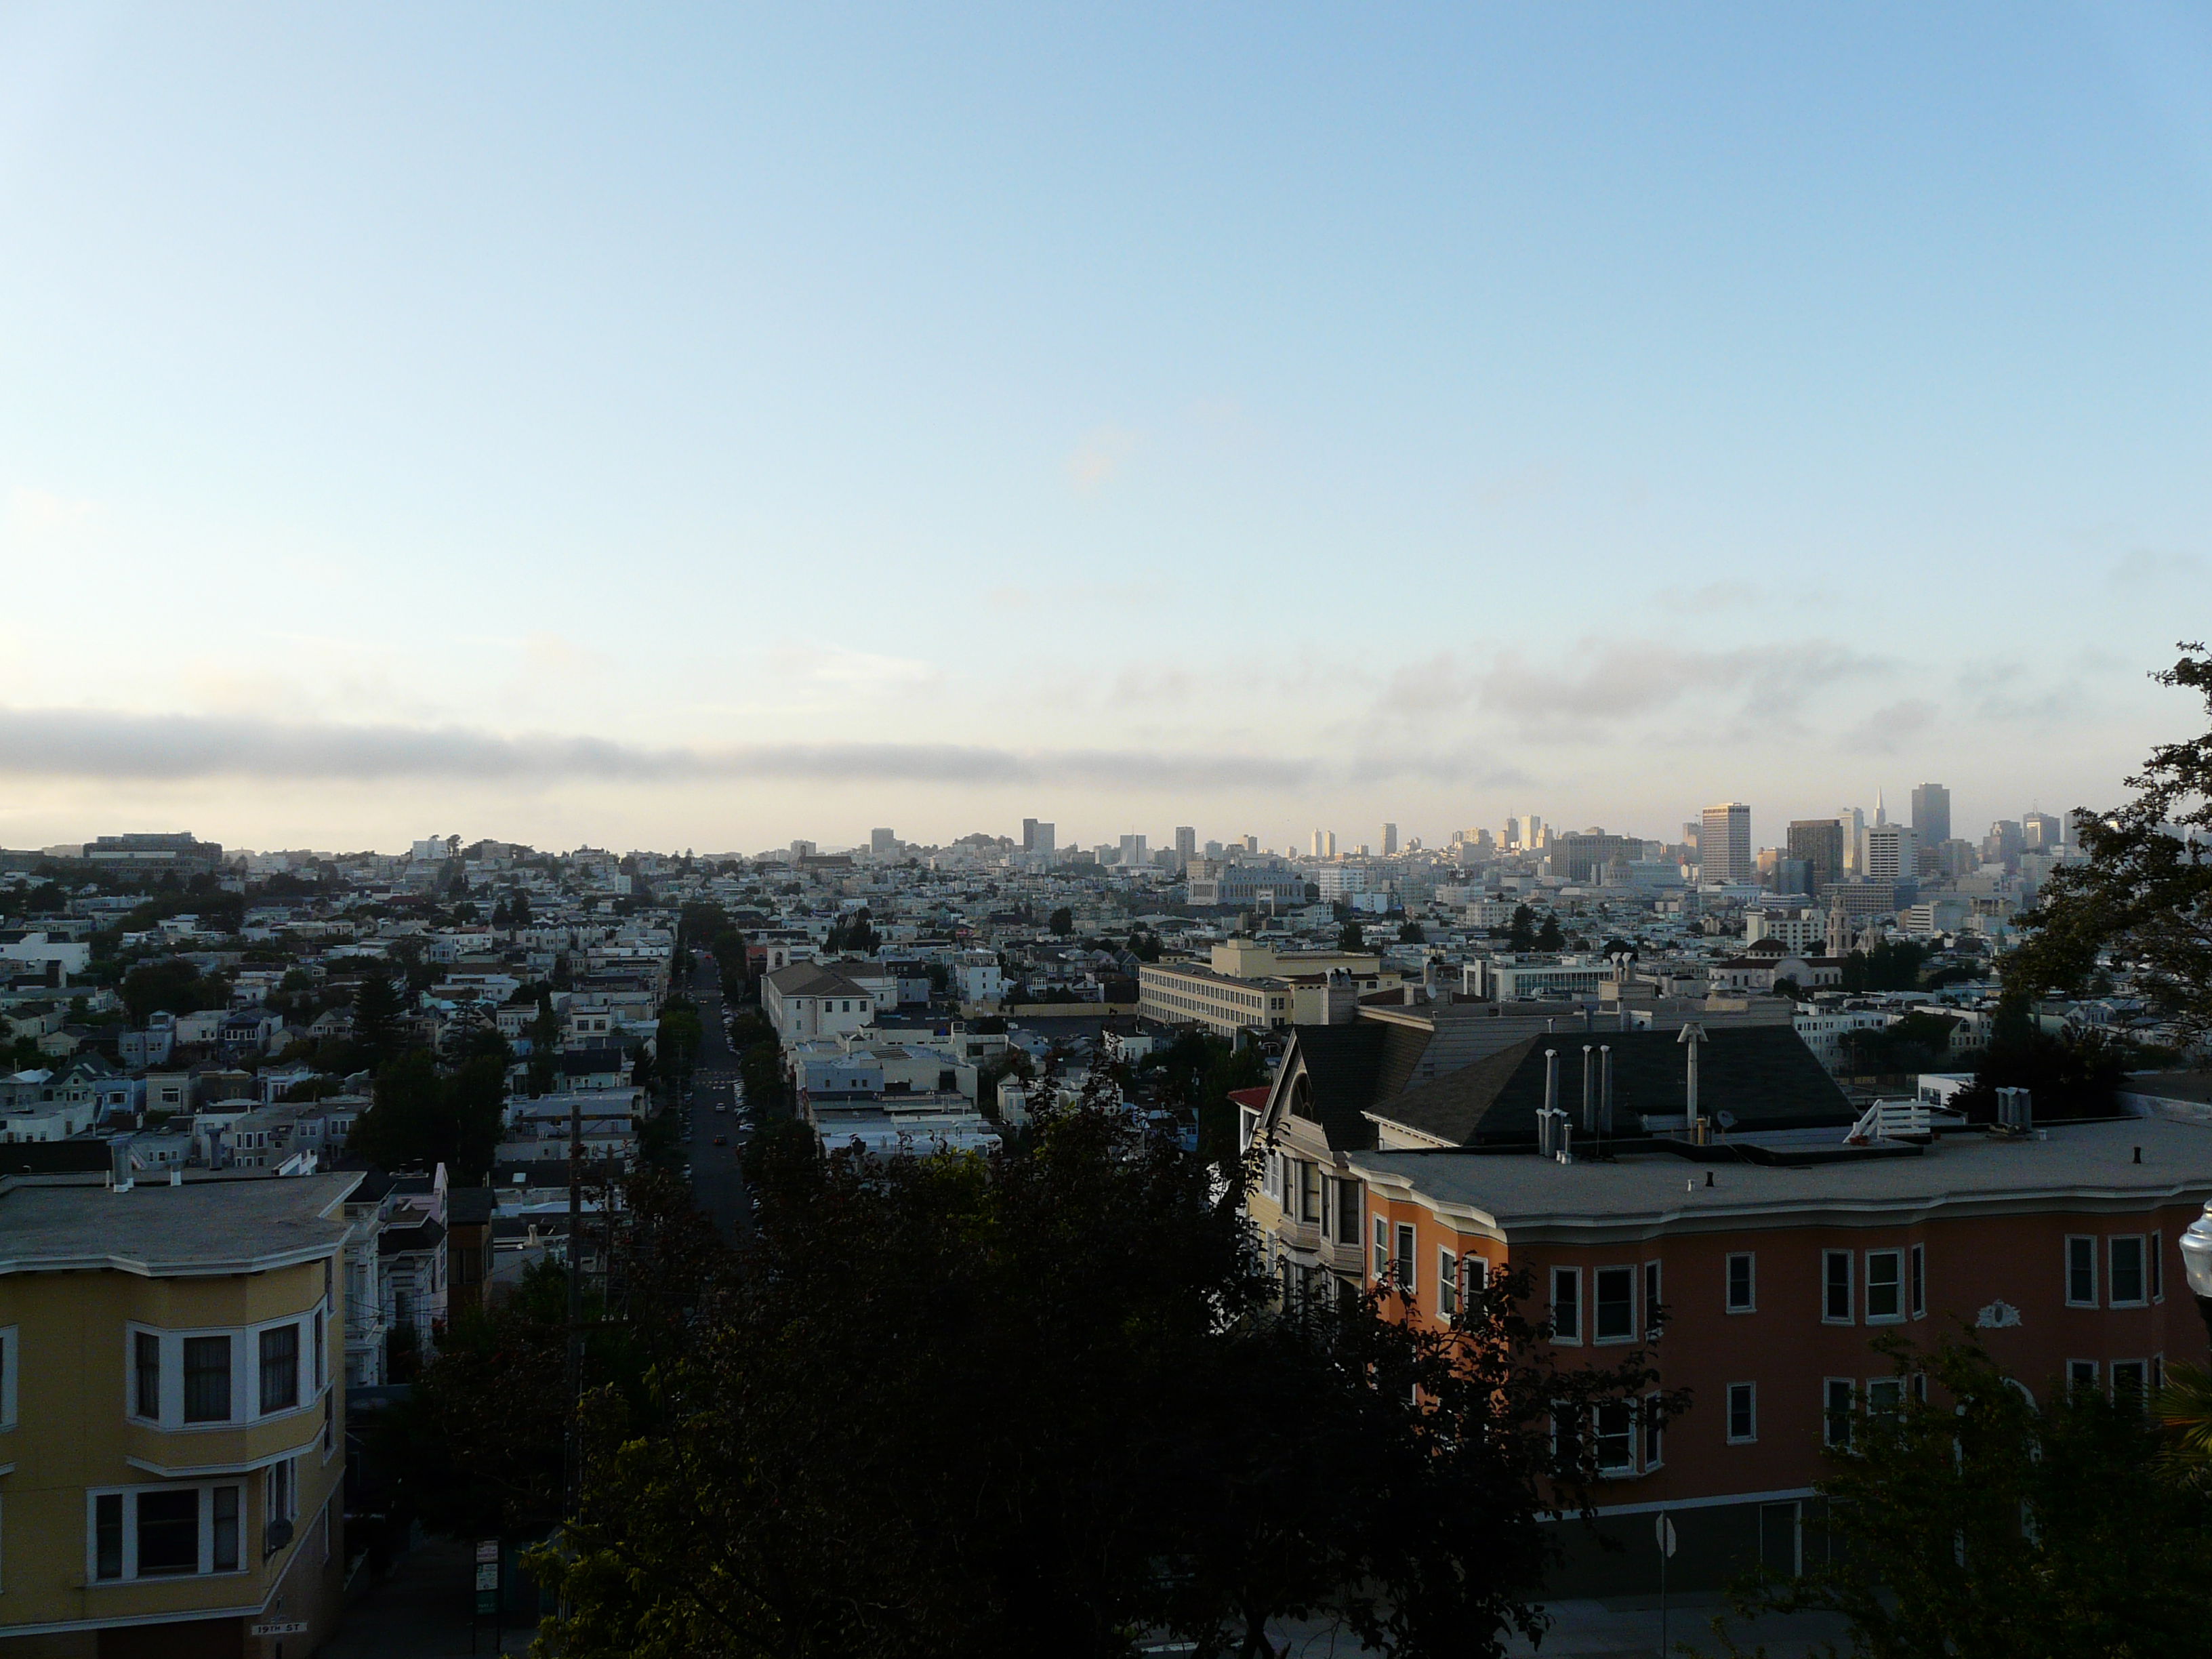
(377, 1009)
(2078, 1076)
(1351, 937)
(1164, 1449)
(1061, 922)
(174, 986)
(1548, 937)
(1979, 1521)
(1520, 932)
(2143, 891)
(419, 1119)
(1410, 933)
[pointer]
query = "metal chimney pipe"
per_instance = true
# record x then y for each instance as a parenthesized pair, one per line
(1589, 1095)
(1550, 1097)
(1605, 1088)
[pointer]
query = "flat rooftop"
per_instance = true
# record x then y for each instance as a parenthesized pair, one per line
(2087, 1167)
(62, 1224)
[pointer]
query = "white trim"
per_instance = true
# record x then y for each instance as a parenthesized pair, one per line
(1728, 1414)
(2066, 1266)
(2142, 1241)
(1899, 1285)
(1720, 1501)
(1727, 1281)
(208, 1471)
(1635, 1274)
(1850, 1258)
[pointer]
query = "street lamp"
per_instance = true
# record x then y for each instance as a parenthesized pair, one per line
(2196, 1262)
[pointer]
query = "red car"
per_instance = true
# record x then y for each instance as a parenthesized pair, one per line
(721, 1140)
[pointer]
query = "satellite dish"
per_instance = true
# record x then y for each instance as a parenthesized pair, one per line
(1726, 1120)
(279, 1534)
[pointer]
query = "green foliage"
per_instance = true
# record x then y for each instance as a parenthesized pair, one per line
(760, 1068)
(950, 1407)
(378, 1010)
(1981, 1523)
(421, 1117)
(1549, 936)
(855, 933)
(173, 987)
(1892, 965)
(2066, 1076)
(1351, 937)
(1920, 1042)
(1061, 922)
(2141, 893)
(1521, 931)
(1412, 932)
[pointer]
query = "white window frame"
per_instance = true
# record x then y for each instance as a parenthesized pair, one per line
(244, 1372)
(1831, 1414)
(2143, 1366)
(1915, 1292)
(1749, 1394)
(11, 1367)
(1597, 1278)
(2112, 1243)
(2155, 1264)
(1655, 1433)
(1382, 1234)
(1651, 1286)
(1448, 1282)
(1406, 1265)
(2087, 1242)
(1828, 1316)
(2084, 1373)
(1568, 1336)
(1896, 1287)
(1750, 1305)
(1625, 1469)
(131, 1574)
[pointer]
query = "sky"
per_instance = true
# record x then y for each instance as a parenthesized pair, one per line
(709, 427)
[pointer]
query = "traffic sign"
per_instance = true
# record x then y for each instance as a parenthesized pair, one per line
(1663, 1529)
(291, 1629)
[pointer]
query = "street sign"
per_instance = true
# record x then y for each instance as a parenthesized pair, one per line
(292, 1628)
(486, 1574)
(1663, 1529)
(487, 1549)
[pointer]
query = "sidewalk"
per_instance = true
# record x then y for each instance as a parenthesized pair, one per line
(420, 1612)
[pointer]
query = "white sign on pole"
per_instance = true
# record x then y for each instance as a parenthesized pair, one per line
(1663, 1529)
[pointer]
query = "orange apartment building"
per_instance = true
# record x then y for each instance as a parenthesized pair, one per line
(1757, 1271)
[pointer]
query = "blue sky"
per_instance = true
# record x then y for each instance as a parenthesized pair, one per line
(722, 425)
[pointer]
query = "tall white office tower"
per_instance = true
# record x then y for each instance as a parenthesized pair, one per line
(1389, 840)
(1855, 828)
(1725, 851)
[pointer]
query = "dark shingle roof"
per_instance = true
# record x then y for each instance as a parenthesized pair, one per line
(1352, 1068)
(1764, 1075)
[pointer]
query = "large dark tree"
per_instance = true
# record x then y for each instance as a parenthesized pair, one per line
(1982, 1522)
(378, 1009)
(421, 1117)
(2144, 890)
(1043, 1404)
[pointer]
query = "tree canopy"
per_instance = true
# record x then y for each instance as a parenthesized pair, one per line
(2143, 890)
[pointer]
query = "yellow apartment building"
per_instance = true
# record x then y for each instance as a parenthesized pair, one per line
(171, 1416)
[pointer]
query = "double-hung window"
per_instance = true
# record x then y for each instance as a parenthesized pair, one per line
(1836, 1287)
(1917, 1287)
(1382, 1251)
(1447, 1283)
(146, 1376)
(2081, 1272)
(1407, 1282)
(1742, 1412)
(1615, 1427)
(2131, 1382)
(280, 1367)
(1885, 1286)
(2127, 1279)
(1838, 1396)
(1567, 1304)
(1654, 1428)
(2081, 1373)
(207, 1379)
(1742, 1282)
(1614, 1312)
(1655, 1309)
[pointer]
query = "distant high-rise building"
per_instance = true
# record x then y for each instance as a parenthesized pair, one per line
(1134, 851)
(1932, 815)
(1039, 837)
(1389, 840)
(1854, 823)
(2039, 832)
(803, 849)
(1820, 843)
(1186, 843)
(1029, 835)
(1891, 855)
(882, 843)
(1724, 852)
(1251, 843)
(1320, 843)
(2002, 845)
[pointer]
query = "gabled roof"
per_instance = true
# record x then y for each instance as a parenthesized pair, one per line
(1762, 1075)
(810, 979)
(1345, 1070)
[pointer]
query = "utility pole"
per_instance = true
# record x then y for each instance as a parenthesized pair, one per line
(573, 1459)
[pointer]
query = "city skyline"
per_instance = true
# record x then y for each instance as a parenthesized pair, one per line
(716, 428)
